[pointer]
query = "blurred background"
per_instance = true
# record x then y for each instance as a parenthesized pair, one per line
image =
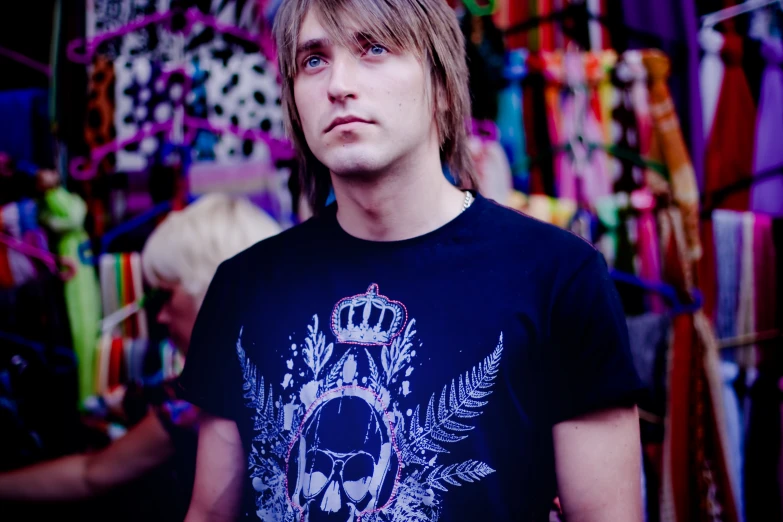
(652, 129)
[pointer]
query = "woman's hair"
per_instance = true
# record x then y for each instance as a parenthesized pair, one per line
(428, 28)
(188, 245)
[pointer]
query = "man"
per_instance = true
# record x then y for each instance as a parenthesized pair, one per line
(415, 352)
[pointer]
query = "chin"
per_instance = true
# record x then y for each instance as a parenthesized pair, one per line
(355, 162)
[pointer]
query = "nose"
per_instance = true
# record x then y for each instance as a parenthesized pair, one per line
(342, 78)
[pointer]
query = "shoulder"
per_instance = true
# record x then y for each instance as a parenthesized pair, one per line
(527, 238)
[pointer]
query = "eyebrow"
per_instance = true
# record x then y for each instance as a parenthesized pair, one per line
(311, 45)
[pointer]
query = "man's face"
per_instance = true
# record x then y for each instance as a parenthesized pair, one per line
(385, 91)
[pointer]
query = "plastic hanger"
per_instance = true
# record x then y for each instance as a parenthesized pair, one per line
(63, 267)
(24, 60)
(85, 168)
(717, 17)
(180, 21)
(120, 230)
(667, 291)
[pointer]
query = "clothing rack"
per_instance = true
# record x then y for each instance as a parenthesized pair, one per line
(717, 196)
(746, 340)
(573, 19)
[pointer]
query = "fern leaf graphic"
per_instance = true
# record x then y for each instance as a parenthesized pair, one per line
(457, 474)
(461, 400)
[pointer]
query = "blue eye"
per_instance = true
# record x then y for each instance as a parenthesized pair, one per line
(313, 61)
(377, 50)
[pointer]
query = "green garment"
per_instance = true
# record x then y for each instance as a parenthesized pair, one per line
(64, 214)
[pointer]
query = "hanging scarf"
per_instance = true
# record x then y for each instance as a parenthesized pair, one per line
(729, 156)
(767, 195)
(696, 482)
(624, 116)
(710, 76)
(668, 147)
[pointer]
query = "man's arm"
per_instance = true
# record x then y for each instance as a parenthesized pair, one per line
(598, 463)
(145, 447)
(217, 491)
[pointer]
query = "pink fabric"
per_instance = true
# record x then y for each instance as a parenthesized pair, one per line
(647, 245)
(579, 175)
(765, 274)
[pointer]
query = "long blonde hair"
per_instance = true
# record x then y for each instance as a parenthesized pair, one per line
(428, 28)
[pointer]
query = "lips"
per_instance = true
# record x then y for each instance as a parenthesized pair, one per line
(344, 119)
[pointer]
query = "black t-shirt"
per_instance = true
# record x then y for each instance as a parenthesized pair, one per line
(413, 380)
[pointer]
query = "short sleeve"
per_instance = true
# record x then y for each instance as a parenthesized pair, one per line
(592, 368)
(211, 378)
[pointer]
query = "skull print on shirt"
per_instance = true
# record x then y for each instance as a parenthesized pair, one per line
(331, 442)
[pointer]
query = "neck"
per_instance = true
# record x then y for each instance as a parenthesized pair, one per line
(397, 205)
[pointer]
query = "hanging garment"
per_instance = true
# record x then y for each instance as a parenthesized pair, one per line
(144, 94)
(121, 284)
(746, 297)
(581, 172)
(20, 267)
(727, 227)
(648, 245)
(99, 126)
(154, 41)
(766, 277)
(734, 435)
(667, 146)
(510, 115)
(710, 76)
(649, 341)
(675, 24)
(767, 195)
(242, 92)
(606, 92)
(537, 106)
(628, 176)
(696, 480)
(64, 214)
(729, 155)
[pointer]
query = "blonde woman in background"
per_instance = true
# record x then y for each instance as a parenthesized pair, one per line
(179, 260)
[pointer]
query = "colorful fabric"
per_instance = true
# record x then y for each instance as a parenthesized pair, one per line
(573, 112)
(697, 483)
(99, 126)
(64, 213)
(729, 154)
(727, 226)
(710, 76)
(667, 146)
(767, 195)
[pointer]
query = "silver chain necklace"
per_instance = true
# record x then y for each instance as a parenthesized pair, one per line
(468, 201)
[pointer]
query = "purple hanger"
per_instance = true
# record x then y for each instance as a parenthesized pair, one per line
(192, 16)
(84, 168)
(49, 260)
(24, 60)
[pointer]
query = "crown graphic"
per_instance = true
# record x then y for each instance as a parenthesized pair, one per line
(381, 319)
